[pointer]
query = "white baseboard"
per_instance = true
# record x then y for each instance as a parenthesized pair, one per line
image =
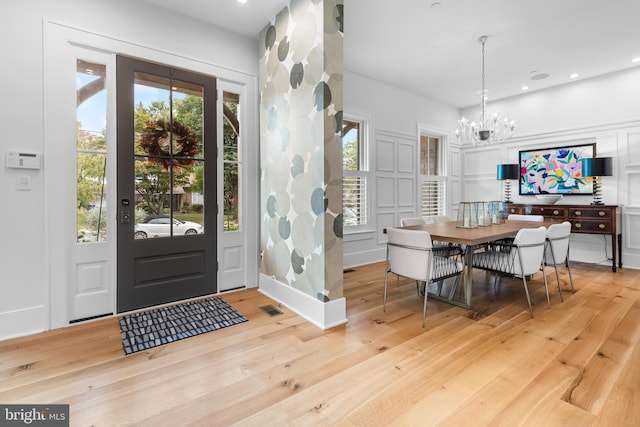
(356, 259)
(26, 321)
(324, 315)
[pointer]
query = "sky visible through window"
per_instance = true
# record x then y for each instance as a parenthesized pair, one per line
(92, 112)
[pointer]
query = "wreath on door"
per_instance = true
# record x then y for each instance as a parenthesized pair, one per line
(155, 140)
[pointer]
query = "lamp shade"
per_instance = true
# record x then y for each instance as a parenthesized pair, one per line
(597, 166)
(508, 171)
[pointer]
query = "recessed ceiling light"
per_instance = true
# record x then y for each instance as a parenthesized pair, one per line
(636, 59)
(524, 88)
(540, 76)
(573, 76)
(242, 1)
(435, 5)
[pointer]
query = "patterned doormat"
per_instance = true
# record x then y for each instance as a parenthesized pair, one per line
(148, 329)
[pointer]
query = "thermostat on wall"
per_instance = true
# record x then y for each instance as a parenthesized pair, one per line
(23, 160)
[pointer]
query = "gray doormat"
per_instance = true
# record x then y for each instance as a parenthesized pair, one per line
(148, 329)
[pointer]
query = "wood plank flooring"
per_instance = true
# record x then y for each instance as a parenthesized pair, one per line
(576, 364)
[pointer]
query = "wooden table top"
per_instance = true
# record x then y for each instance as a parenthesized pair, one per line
(448, 232)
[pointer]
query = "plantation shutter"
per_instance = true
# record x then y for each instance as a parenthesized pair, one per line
(432, 195)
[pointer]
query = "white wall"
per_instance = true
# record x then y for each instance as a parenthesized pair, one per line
(396, 115)
(23, 253)
(396, 110)
(578, 105)
(605, 109)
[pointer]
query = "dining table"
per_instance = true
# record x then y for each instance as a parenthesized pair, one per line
(450, 232)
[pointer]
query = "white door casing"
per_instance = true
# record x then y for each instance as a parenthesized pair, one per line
(81, 278)
(232, 272)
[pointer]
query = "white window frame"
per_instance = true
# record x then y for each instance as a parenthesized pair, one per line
(365, 121)
(443, 137)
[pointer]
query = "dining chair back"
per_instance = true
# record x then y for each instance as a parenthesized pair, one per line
(557, 250)
(410, 254)
(522, 257)
(440, 218)
(519, 217)
(412, 221)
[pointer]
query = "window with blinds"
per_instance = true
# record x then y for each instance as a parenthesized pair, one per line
(432, 178)
(354, 200)
(354, 174)
(432, 196)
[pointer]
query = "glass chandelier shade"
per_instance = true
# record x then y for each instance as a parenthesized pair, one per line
(487, 130)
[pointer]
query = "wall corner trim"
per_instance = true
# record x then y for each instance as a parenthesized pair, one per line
(324, 315)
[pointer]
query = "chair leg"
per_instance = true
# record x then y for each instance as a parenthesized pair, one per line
(386, 280)
(424, 308)
(555, 266)
(546, 286)
(558, 279)
(524, 281)
(526, 291)
(570, 277)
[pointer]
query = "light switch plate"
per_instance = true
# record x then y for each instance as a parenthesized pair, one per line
(24, 183)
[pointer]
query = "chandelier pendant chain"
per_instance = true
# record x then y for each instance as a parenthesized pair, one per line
(483, 94)
(487, 130)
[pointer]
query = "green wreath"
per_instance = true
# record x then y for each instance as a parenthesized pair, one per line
(155, 140)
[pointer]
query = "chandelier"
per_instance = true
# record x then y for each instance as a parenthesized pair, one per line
(487, 130)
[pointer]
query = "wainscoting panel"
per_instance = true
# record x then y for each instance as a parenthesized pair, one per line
(406, 192)
(406, 158)
(633, 183)
(386, 191)
(385, 220)
(454, 162)
(481, 162)
(385, 155)
(631, 229)
(633, 148)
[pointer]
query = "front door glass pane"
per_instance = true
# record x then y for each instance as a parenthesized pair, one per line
(169, 157)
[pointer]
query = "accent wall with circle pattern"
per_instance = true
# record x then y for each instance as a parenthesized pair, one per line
(300, 81)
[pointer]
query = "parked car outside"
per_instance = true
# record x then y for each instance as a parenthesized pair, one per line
(160, 226)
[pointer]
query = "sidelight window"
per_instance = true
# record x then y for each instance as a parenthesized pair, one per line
(91, 152)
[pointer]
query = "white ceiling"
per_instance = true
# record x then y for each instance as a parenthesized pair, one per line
(434, 51)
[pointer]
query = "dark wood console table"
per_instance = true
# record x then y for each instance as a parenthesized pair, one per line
(585, 219)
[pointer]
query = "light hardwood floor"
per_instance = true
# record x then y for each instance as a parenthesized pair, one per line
(577, 364)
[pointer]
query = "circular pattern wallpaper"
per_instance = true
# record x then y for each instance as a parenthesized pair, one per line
(301, 148)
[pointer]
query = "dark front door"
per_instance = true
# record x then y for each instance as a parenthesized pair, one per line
(166, 184)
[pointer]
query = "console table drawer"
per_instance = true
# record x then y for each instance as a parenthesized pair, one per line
(584, 219)
(546, 211)
(590, 226)
(514, 210)
(590, 213)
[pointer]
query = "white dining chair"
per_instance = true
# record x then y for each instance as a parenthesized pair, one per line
(557, 250)
(411, 254)
(412, 221)
(519, 217)
(521, 258)
(440, 218)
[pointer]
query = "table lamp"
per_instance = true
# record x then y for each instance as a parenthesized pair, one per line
(597, 167)
(507, 172)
